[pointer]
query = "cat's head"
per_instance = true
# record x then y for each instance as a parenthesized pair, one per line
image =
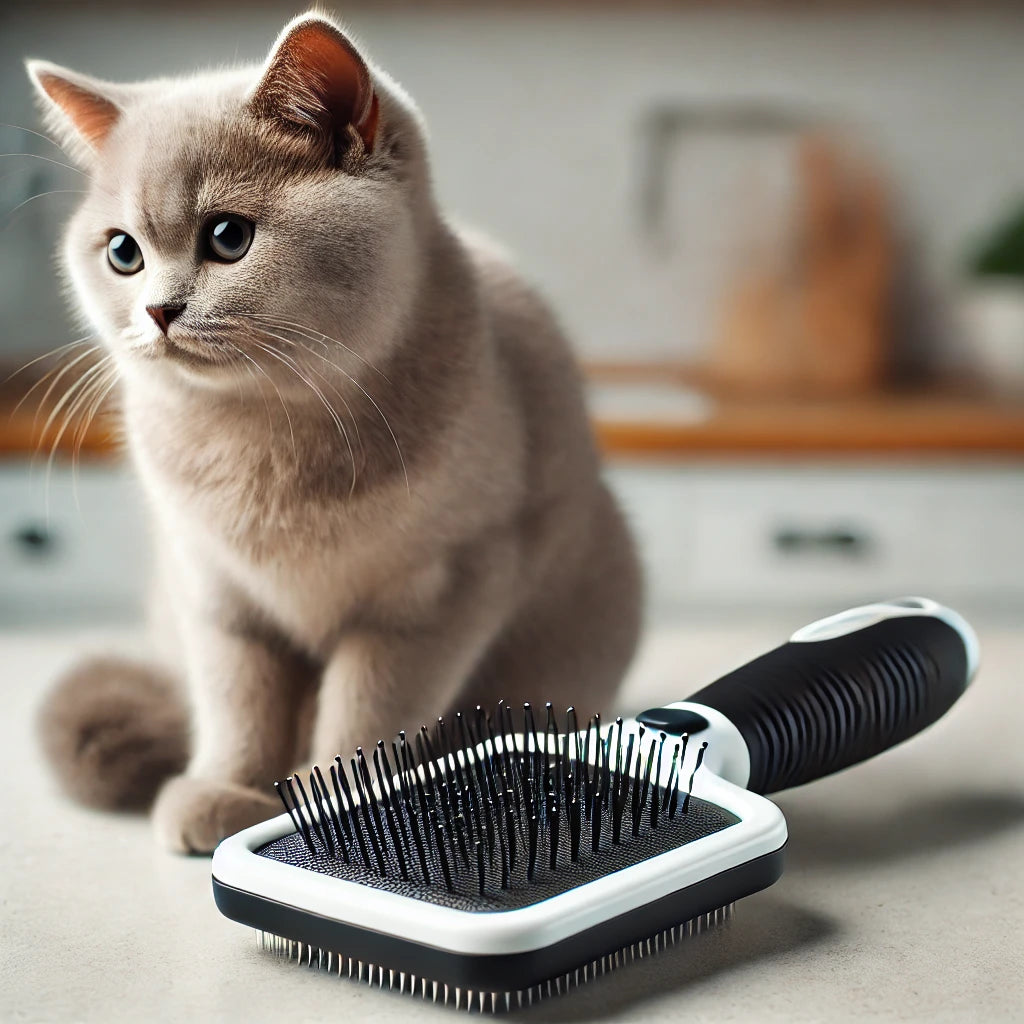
(244, 219)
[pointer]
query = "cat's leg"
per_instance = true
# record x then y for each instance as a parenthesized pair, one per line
(376, 684)
(573, 638)
(386, 678)
(244, 692)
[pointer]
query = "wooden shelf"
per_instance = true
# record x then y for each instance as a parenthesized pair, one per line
(26, 402)
(953, 418)
(927, 424)
(897, 426)
(21, 438)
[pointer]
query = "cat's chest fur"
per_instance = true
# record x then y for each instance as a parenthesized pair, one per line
(253, 520)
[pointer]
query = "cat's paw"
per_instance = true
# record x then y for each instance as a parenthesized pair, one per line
(193, 815)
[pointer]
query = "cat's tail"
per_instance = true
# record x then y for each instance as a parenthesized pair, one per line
(114, 730)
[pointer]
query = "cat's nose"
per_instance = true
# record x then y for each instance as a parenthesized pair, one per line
(164, 315)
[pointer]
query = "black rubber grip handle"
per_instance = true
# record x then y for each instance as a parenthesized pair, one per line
(810, 708)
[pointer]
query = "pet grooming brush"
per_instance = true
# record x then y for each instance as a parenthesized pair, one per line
(498, 858)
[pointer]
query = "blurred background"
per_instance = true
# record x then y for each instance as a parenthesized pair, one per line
(787, 240)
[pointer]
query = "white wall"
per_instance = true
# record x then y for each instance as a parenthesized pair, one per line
(535, 118)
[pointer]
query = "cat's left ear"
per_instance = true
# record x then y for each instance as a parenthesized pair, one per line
(316, 81)
(79, 109)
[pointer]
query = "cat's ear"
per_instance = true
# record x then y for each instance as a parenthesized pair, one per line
(315, 80)
(79, 109)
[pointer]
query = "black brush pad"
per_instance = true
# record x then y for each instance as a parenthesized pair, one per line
(699, 819)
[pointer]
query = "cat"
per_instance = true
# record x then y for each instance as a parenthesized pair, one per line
(373, 490)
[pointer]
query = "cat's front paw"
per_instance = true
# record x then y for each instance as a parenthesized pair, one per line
(193, 815)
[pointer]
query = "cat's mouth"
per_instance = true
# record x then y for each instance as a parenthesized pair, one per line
(191, 352)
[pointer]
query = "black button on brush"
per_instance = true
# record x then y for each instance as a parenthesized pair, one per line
(674, 721)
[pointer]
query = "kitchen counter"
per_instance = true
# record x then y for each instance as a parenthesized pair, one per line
(646, 411)
(656, 412)
(903, 897)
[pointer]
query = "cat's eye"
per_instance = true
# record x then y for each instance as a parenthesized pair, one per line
(124, 254)
(228, 237)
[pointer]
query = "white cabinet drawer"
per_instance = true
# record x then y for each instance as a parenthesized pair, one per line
(804, 536)
(752, 535)
(70, 545)
(709, 535)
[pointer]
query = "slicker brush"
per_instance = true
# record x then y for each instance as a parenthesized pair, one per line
(505, 855)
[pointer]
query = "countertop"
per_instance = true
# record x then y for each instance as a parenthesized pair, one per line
(903, 897)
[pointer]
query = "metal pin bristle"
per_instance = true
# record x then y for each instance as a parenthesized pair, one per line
(485, 1000)
(476, 807)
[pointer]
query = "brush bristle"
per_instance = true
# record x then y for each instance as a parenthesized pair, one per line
(488, 1001)
(482, 815)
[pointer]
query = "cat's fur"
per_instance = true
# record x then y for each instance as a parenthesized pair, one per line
(325, 576)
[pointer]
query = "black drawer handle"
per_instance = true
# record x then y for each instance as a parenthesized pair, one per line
(35, 540)
(839, 540)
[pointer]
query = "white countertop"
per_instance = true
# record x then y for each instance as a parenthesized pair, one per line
(903, 897)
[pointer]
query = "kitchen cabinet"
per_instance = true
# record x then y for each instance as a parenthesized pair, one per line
(745, 534)
(715, 536)
(72, 544)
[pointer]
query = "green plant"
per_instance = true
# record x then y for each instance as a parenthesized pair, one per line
(1001, 251)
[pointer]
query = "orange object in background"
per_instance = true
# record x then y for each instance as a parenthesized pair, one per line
(814, 320)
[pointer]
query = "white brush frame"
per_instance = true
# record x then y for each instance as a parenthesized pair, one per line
(761, 830)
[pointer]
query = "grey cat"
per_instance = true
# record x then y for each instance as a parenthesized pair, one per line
(374, 492)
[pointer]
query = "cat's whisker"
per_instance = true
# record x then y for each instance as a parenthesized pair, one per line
(369, 397)
(39, 135)
(282, 324)
(9, 216)
(263, 395)
(106, 383)
(290, 364)
(320, 376)
(60, 163)
(77, 389)
(60, 371)
(348, 409)
(70, 416)
(327, 405)
(284, 405)
(74, 391)
(47, 355)
(351, 416)
(56, 163)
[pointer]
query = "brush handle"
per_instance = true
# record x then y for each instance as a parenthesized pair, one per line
(841, 690)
